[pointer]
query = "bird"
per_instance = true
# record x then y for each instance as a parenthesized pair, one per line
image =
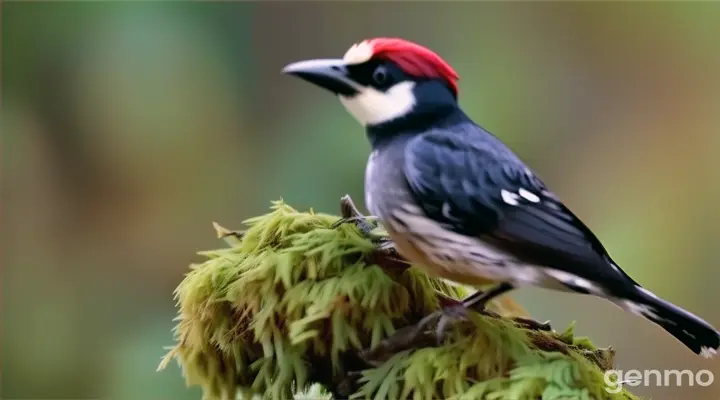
(459, 203)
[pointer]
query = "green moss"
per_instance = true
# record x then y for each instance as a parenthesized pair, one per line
(292, 301)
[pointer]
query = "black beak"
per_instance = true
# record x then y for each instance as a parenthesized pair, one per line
(329, 74)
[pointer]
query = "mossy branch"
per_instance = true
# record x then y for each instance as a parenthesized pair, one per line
(298, 300)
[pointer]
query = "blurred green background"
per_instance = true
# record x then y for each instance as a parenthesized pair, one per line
(128, 127)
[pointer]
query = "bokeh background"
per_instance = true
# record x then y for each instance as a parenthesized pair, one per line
(128, 127)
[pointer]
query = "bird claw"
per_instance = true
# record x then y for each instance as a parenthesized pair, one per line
(449, 314)
(362, 223)
(351, 214)
(419, 336)
(357, 220)
(457, 311)
(342, 221)
(442, 319)
(416, 336)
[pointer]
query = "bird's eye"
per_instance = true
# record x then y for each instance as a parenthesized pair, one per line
(380, 75)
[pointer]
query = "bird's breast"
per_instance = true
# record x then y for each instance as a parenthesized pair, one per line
(425, 242)
(369, 187)
(385, 184)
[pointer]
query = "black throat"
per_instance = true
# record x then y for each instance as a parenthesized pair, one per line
(418, 121)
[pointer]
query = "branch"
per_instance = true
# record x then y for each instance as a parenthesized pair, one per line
(306, 298)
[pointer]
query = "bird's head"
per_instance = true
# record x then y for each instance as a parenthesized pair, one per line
(385, 80)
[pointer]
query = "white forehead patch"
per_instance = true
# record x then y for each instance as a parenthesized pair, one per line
(358, 53)
(371, 106)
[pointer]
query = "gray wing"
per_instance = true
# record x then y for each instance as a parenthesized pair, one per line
(482, 190)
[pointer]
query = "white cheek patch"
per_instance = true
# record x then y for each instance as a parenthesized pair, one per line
(371, 106)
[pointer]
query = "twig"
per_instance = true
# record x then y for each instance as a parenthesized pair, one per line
(409, 337)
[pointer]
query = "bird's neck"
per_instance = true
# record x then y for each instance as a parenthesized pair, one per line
(415, 123)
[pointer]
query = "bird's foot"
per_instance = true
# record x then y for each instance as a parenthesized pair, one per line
(476, 301)
(350, 214)
(452, 312)
(418, 335)
(385, 254)
(363, 223)
(442, 319)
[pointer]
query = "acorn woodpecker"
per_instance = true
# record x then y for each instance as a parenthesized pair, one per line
(459, 203)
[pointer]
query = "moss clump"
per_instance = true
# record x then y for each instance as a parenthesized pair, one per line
(293, 301)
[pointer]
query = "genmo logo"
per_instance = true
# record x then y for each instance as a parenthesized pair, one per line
(616, 379)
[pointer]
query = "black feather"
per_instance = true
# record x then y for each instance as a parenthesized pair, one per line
(686, 327)
(464, 172)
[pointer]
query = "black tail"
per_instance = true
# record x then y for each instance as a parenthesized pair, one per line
(693, 332)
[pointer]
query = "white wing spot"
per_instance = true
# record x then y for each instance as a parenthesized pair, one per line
(446, 211)
(707, 352)
(509, 198)
(529, 196)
